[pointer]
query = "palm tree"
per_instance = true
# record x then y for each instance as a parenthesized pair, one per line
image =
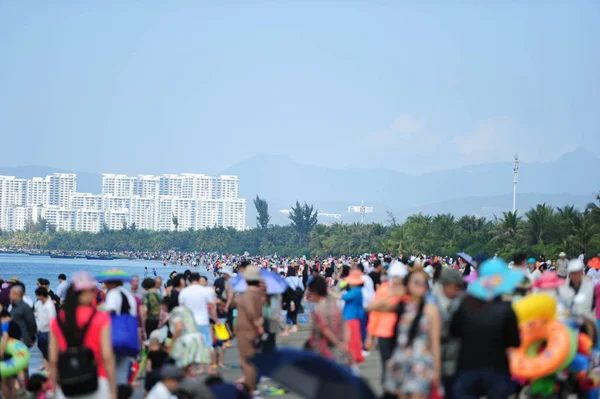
(586, 235)
(418, 232)
(594, 209)
(539, 220)
(443, 226)
(508, 228)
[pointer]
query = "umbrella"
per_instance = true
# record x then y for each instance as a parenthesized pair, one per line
(311, 375)
(467, 258)
(274, 282)
(113, 275)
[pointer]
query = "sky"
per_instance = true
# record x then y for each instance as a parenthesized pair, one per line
(197, 86)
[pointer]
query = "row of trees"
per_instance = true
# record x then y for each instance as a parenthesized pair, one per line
(541, 230)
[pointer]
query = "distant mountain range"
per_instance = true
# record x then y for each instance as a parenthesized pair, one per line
(484, 190)
(480, 189)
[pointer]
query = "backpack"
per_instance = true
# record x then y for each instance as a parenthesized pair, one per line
(77, 368)
(124, 331)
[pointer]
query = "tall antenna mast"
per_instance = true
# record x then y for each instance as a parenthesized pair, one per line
(515, 174)
(362, 209)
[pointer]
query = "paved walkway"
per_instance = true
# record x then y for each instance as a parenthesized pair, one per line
(370, 369)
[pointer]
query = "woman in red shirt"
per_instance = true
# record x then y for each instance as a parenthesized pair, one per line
(78, 310)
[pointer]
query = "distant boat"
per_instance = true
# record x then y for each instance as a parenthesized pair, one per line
(99, 257)
(62, 256)
(37, 254)
(9, 251)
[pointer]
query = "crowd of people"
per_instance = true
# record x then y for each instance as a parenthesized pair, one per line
(442, 326)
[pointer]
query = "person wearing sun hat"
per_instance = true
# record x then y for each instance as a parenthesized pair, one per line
(354, 312)
(449, 293)
(487, 326)
(578, 286)
(534, 272)
(113, 303)
(382, 325)
(249, 326)
(549, 284)
(77, 311)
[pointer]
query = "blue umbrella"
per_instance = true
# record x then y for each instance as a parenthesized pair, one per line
(311, 375)
(274, 282)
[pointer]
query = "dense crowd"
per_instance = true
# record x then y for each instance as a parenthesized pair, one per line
(442, 326)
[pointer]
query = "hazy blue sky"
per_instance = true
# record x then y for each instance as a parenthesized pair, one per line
(174, 86)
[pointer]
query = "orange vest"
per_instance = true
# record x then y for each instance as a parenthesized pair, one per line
(382, 324)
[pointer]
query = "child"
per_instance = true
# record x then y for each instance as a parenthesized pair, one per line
(157, 356)
(38, 387)
(220, 346)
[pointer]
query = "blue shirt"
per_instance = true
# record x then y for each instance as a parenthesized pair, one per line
(353, 307)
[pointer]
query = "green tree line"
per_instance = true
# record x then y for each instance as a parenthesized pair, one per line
(541, 230)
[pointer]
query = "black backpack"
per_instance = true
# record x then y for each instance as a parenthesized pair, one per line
(77, 368)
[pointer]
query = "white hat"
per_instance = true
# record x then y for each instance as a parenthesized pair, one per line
(227, 270)
(575, 265)
(562, 255)
(397, 269)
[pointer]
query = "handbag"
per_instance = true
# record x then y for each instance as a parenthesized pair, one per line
(221, 332)
(124, 331)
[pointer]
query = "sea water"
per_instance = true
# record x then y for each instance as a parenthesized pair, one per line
(29, 268)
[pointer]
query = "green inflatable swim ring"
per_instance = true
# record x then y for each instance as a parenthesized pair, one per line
(19, 360)
(534, 348)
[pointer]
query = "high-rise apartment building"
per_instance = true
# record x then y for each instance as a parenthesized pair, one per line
(60, 188)
(167, 202)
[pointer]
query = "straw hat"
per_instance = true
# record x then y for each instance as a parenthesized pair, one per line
(252, 273)
(562, 255)
(356, 277)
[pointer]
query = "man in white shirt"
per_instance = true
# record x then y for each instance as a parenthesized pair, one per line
(44, 310)
(61, 289)
(200, 300)
(113, 303)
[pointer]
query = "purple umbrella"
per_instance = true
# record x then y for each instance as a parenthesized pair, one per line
(274, 282)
